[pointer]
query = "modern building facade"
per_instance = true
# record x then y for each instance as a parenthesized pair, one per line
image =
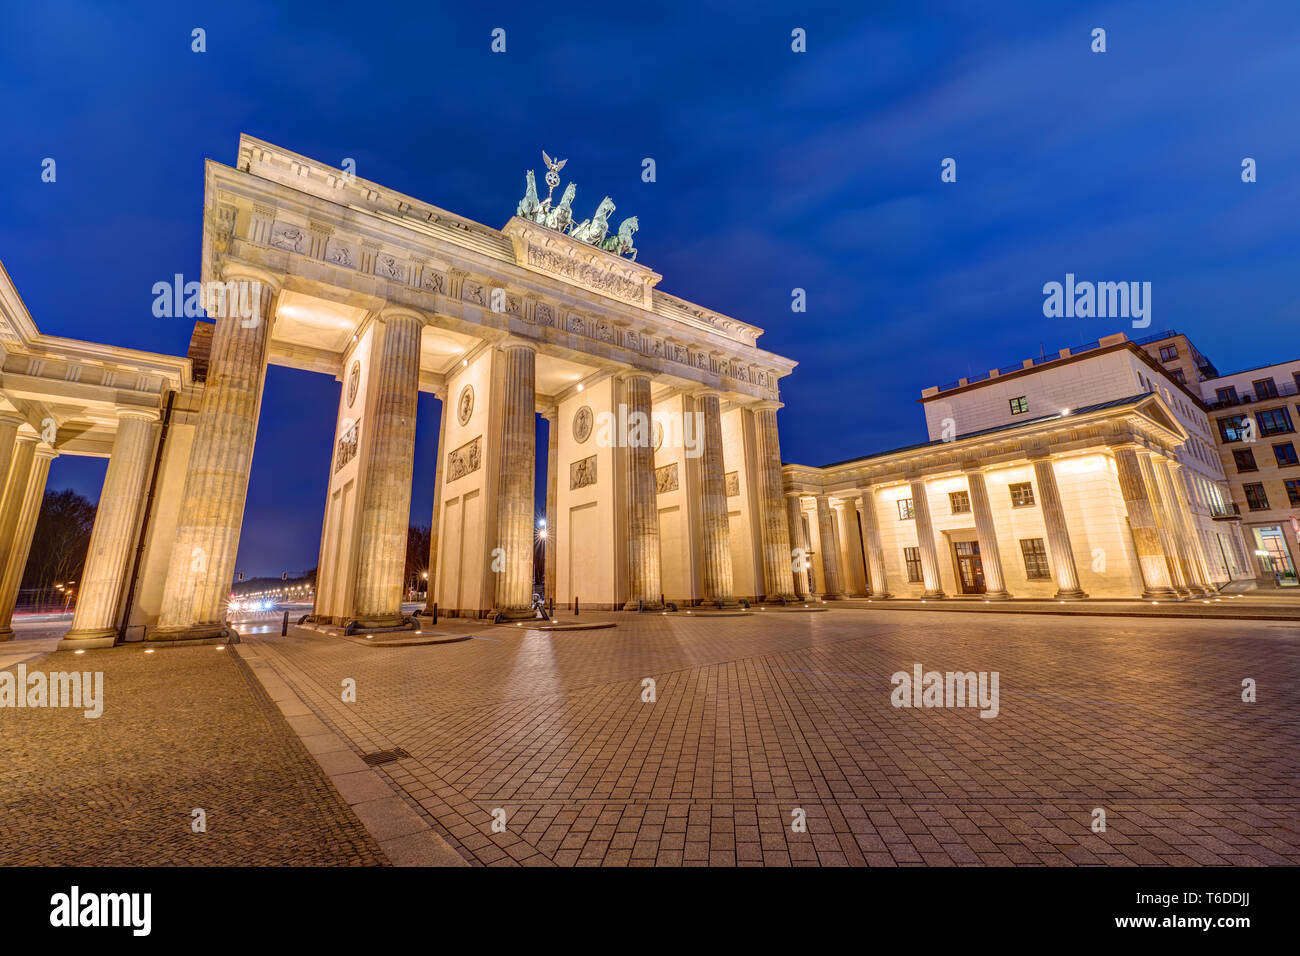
(1254, 415)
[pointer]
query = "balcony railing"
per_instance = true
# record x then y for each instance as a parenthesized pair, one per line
(1230, 512)
(1285, 390)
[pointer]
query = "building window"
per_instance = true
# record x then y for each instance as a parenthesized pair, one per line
(1035, 553)
(1180, 377)
(1168, 353)
(1232, 427)
(960, 501)
(1228, 395)
(1274, 421)
(1019, 405)
(1293, 490)
(912, 558)
(1285, 454)
(1245, 459)
(1256, 499)
(1265, 388)
(1022, 494)
(905, 509)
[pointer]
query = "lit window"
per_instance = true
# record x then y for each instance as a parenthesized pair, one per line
(1019, 405)
(1035, 555)
(1022, 494)
(905, 509)
(912, 558)
(960, 501)
(1256, 499)
(1274, 421)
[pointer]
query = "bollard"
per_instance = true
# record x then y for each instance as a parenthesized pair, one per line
(284, 624)
(575, 606)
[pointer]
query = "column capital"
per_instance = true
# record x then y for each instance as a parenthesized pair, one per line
(401, 311)
(515, 342)
(12, 418)
(48, 452)
(232, 270)
(765, 405)
(630, 374)
(147, 414)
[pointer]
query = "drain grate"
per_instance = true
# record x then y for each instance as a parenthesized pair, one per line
(384, 756)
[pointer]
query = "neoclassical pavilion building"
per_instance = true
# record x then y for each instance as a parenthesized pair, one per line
(664, 463)
(1018, 494)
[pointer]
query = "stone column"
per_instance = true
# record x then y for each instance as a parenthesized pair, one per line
(857, 569)
(643, 570)
(31, 466)
(1142, 523)
(778, 578)
(990, 557)
(11, 482)
(718, 581)
(1058, 535)
(1163, 524)
(8, 437)
(925, 541)
(431, 595)
(195, 595)
(518, 469)
(875, 551)
(94, 623)
(830, 549)
(1179, 523)
(1196, 550)
(798, 543)
(552, 485)
(385, 507)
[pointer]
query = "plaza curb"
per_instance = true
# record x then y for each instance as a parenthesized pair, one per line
(1074, 609)
(402, 834)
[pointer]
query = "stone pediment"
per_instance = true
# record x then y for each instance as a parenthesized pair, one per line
(552, 253)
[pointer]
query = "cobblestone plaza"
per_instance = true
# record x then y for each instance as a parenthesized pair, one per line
(753, 718)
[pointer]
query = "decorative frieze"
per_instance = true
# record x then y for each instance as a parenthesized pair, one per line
(733, 483)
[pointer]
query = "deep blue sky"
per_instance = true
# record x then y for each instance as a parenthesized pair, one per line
(775, 170)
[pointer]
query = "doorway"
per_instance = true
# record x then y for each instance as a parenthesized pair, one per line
(970, 570)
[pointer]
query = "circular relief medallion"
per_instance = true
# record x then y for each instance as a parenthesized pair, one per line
(659, 435)
(582, 422)
(354, 381)
(465, 404)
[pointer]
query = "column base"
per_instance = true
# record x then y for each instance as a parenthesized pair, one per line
(833, 596)
(516, 614)
(1161, 594)
(85, 643)
(6, 635)
(998, 595)
(725, 603)
(194, 634)
(882, 596)
(786, 599)
(644, 606)
(933, 596)
(88, 637)
(1076, 594)
(385, 622)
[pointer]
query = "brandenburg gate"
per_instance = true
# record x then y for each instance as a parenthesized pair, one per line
(663, 466)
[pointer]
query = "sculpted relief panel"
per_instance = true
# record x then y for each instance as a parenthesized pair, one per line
(666, 479)
(582, 473)
(464, 460)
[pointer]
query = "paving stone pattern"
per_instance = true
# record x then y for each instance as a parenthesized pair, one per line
(759, 716)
